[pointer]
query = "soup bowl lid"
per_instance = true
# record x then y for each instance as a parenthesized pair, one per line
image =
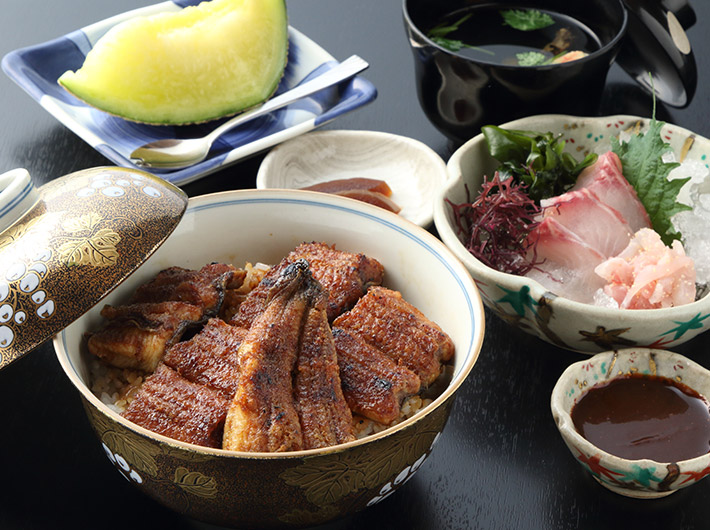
(67, 244)
(657, 52)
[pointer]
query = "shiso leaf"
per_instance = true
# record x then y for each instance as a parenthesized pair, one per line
(644, 168)
(526, 19)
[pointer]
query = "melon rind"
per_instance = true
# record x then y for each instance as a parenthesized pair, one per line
(194, 65)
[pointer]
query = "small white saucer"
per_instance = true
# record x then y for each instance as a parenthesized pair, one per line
(411, 169)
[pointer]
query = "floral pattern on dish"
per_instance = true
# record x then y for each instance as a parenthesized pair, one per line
(634, 478)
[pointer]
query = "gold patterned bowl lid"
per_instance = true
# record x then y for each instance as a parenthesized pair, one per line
(67, 244)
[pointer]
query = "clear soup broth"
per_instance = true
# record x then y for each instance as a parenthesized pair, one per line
(513, 36)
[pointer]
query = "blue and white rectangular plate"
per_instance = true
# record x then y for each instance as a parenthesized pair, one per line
(37, 68)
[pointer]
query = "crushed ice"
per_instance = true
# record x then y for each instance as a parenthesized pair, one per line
(604, 300)
(694, 225)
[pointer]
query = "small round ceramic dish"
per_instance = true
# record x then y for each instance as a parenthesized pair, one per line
(411, 169)
(646, 479)
(525, 303)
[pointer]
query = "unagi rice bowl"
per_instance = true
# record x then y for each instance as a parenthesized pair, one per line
(238, 488)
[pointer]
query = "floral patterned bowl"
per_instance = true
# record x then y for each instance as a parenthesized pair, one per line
(633, 478)
(523, 302)
(304, 487)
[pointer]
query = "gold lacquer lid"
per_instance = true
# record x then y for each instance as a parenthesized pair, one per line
(67, 244)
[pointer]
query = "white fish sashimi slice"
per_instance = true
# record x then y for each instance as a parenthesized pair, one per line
(595, 223)
(606, 180)
(558, 243)
(567, 262)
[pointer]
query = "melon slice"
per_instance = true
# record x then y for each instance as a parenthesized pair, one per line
(189, 66)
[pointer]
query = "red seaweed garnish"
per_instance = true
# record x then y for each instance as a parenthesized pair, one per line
(494, 227)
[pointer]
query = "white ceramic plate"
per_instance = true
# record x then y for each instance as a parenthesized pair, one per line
(412, 170)
(37, 68)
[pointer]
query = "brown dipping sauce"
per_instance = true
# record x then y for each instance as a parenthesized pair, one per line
(640, 416)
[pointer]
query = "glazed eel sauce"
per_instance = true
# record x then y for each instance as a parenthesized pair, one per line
(641, 416)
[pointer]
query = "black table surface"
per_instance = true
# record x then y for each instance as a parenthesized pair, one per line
(500, 462)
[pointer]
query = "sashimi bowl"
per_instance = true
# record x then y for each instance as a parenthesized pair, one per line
(305, 487)
(554, 315)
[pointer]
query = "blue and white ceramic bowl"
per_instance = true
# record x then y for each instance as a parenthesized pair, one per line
(37, 68)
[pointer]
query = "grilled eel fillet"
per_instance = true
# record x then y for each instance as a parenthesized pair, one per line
(346, 277)
(136, 335)
(204, 288)
(210, 358)
(373, 384)
(234, 296)
(325, 416)
(265, 415)
(170, 405)
(188, 395)
(383, 319)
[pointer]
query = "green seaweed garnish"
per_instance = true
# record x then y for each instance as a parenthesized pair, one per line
(535, 159)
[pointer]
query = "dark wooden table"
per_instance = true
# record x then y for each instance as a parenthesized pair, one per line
(500, 463)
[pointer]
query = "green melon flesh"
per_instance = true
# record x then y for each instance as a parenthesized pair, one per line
(194, 65)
